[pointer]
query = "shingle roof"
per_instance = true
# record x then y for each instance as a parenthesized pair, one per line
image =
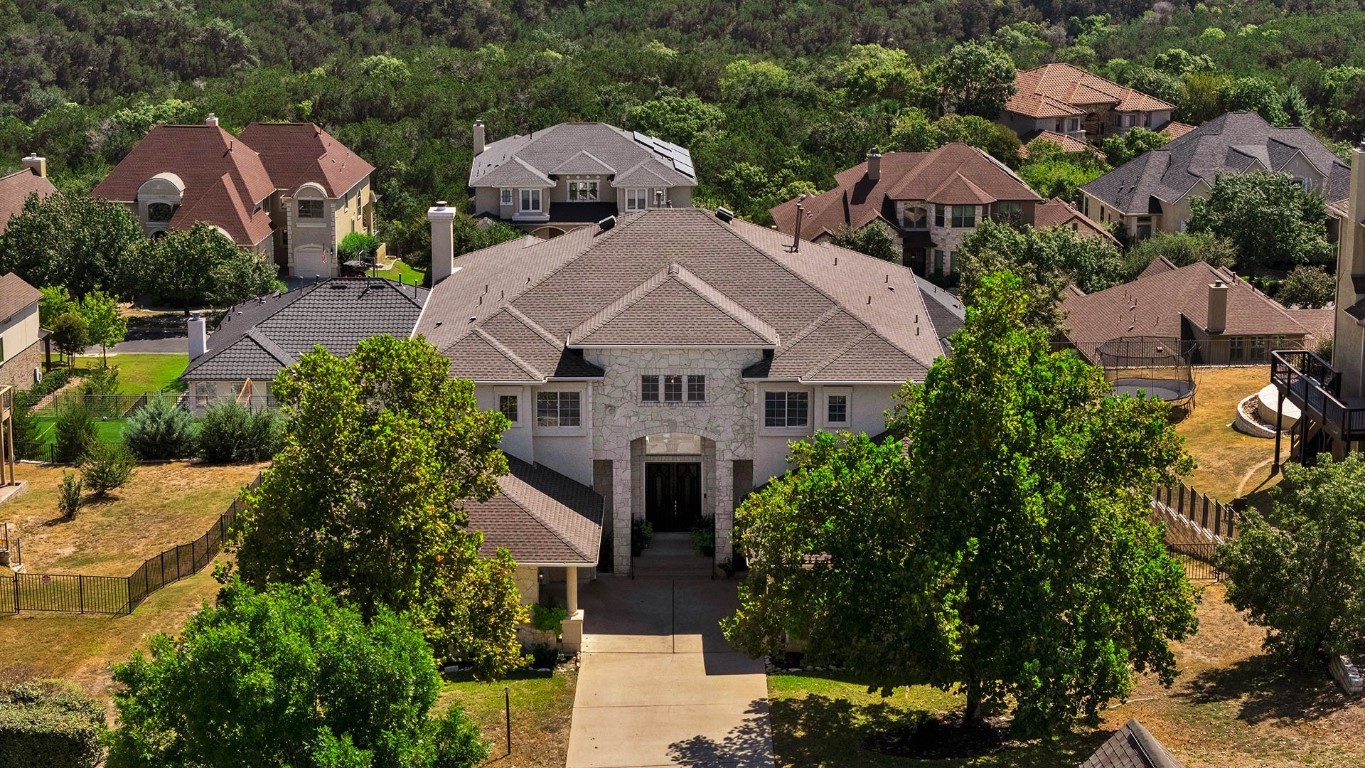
(1234, 142)
(1067, 143)
(297, 153)
(259, 337)
(833, 314)
(945, 308)
(1062, 90)
(1132, 746)
(540, 516)
(14, 191)
(15, 294)
(1164, 297)
(224, 179)
(582, 148)
(953, 173)
(1059, 213)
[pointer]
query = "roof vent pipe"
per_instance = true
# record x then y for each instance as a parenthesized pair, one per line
(800, 214)
(607, 223)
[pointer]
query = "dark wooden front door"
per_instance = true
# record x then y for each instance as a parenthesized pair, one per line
(673, 495)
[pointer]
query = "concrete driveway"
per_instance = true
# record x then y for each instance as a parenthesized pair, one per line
(659, 686)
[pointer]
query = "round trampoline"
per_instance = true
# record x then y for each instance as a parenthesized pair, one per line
(1153, 366)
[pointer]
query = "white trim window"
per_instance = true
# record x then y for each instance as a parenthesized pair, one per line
(672, 388)
(530, 199)
(837, 407)
(559, 409)
(637, 199)
(783, 410)
(583, 191)
(505, 196)
(509, 405)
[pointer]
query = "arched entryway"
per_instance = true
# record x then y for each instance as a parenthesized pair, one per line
(672, 466)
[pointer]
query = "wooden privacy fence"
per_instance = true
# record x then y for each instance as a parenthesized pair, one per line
(1213, 516)
(74, 593)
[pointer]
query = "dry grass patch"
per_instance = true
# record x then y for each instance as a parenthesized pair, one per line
(542, 709)
(1230, 464)
(161, 506)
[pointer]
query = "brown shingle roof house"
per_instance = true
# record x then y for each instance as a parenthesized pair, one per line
(930, 199)
(1065, 99)
(1059, 213)
(16, 188)
(667, 358)
(297, 153)
(1132, 746)
(1222, 316)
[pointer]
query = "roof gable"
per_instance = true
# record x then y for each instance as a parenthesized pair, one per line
(1063, 90)
(582, 148)
(297, 153)
(15, 190)
(583, 163)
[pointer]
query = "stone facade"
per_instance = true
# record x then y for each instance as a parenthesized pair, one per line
(17, 371)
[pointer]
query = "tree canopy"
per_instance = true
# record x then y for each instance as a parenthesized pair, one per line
(1181, 249)
(287, 677)
(1271, 220)
(381, 449)
(875, 239)
(70, 240)
(200, 266)
(1000, 544)
(974, 79)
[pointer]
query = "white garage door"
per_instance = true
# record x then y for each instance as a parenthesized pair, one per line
(313, 261)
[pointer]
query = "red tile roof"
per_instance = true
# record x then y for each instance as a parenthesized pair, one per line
(1067, 143)
(225, 181)
(1174, 130)
(951, 174)
(14, 191)
(1062, 90)
(297, 153)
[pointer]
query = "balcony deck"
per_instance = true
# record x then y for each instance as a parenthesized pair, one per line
(1310, 383)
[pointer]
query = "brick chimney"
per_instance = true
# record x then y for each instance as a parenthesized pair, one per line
(36, 164)
(480, 138)
(1218, 307)
(442, 218)
(874, 165)
(211, 120)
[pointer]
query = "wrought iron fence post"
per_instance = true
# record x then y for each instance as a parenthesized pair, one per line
(80, 593)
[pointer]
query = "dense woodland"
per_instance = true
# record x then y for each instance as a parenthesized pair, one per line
(773, 98)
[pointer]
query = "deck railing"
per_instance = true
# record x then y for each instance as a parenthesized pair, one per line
(1310, 383)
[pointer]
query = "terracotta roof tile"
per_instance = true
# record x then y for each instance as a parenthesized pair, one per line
(15, 189)
(297, 153)
(1064, 90)
(1066, 142)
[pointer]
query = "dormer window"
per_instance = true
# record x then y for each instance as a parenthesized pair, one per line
(583, 191)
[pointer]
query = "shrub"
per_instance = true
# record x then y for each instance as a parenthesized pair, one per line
(106, 466)
(704, 537)
(99, 389)
(230, 433)
(75, 432)
(544, 656)
(160, 430)
(549, 618)
(69, 498)
(52, 381)
(27, 442)
(641, 532)
(49, 725)
(358, 246)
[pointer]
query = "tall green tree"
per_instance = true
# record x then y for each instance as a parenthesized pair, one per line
(201, 266)
(56, 301)
(973, 79)
(72, 240)
(1254, 94)
(1272, 220)
(1001, 545)
(380, 452)
(1181, 249)
(1131, 143)
(1311, 287)
(1299, 569)
(1049, 259)
(288, 678)
(875, 239)
(107, 326)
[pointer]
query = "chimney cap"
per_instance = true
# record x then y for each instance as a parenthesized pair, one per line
(874, 152)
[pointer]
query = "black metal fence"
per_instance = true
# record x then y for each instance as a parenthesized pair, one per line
(1197, 559)
(73, 593)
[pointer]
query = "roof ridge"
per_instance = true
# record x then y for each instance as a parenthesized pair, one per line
(268, 344)
(502, 349)
(817, 323)
(529, 323)
(530, 512)
(841, 351)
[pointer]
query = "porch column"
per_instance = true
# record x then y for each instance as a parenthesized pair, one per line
(725, 509)
(622, 504)
(571, 588)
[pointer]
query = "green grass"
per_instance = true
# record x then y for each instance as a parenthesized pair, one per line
(542, 708)
(401, 271)
(139, 373)
(108, 431)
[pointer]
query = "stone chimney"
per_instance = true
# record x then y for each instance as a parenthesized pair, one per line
(874, 165)
(199, 335)
(480, 138)
(36, 164)
(211, 120)
(1218, 307)
(442, 218)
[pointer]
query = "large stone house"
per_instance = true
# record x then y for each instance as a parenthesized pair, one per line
(575, 174)
(290, 192)
(1062, 100)
(666, 359)
(931, 200)
(17, 187)
(1152, 192)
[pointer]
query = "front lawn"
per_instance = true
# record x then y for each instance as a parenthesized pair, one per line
(1230, 464)
(542, 709)
(401, 271)
(139, 373)
(1231, 707)
(161, 506)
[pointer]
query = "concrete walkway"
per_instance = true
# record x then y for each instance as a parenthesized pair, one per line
(659, 686)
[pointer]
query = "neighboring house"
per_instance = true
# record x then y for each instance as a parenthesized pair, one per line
(1330, 393)
(1221, 318)
(666, 359)
(1132, 746)
(1067, 100)
(931, 200)
(289, 192)
(1059, 213)
(1152, 192)
(576, 174)
(21, 355)
(323, 193)
(257, 338)
(16, 188)
(1067, 143)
